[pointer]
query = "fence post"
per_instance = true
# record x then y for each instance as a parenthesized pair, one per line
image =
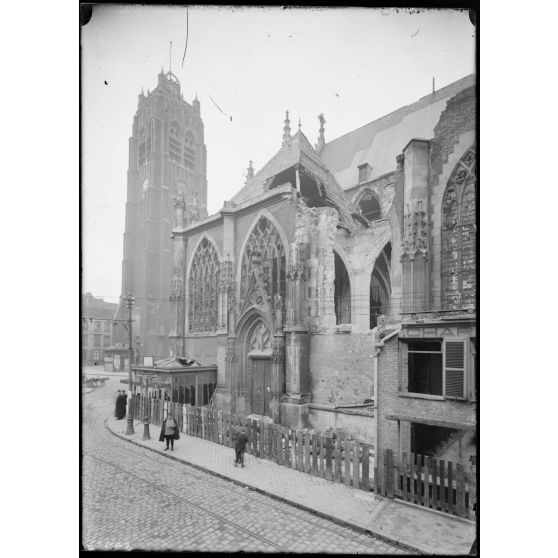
(321, 456)
(472, 490)
(405, 492)
(389, 472)
(426, 482)
(365, 469)
(337, 455)
(356, 463)
(346, 447)
(412, 477)
(450, 487)
(314, 454)
(460, 495)
(328, 454)
(434, 500)
(306, 452)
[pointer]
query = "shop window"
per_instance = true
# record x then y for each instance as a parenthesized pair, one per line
(439, 368)
(342, 290)
(95, 355)
(425, 367)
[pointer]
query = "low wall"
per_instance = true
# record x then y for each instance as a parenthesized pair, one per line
(359, 426)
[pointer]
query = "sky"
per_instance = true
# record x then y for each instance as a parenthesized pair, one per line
(354, 65)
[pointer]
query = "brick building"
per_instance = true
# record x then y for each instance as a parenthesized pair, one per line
(96, 328)
(167, 157)
(305, 287)
(427, 367)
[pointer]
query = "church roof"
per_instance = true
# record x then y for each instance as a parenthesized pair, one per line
(297, 151)
(379, 142)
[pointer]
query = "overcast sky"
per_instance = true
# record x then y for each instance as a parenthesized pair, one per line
(354, 65)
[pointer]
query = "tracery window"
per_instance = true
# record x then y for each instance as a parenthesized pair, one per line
(370, 207)
(202, 288)
(380, 286)
(175, 144)
(265, 251)
(459, 236)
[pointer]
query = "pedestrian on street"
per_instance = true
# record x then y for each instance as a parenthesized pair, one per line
(120, 407)
(239, 438)
(169, 432)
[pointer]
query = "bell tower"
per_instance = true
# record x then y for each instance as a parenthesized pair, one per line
(167, 157)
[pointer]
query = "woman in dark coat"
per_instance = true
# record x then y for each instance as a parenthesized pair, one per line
(120, 407)
(169, 432)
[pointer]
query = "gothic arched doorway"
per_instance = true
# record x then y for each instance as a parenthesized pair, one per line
(260, 371)
(260, 362)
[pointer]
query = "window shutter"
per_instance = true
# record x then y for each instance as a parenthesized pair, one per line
(454, 368)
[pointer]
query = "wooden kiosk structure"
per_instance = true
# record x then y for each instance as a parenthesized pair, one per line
(178, 379)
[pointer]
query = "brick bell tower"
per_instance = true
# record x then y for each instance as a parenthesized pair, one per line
(167, 157)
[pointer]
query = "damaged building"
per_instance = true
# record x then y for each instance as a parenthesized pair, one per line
(336, 288)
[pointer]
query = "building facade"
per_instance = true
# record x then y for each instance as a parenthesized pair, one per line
(167, 158)
(96, 328)
(305, 287)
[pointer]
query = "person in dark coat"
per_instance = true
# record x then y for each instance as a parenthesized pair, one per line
(169, 432)
(120, 408)
(239, 439)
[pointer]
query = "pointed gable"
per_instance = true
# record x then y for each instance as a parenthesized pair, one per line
(298, 153)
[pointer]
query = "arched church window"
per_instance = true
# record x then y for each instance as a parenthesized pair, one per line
(370, 207)
(459, 236)
(175, 144)
(264, 258)
(202, 288)
(342, 297)
(380, 286)
(189, 151)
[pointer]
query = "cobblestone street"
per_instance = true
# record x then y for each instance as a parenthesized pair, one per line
(136, 499)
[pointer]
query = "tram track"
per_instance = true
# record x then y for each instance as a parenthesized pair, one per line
(192, 504)
(97, 423)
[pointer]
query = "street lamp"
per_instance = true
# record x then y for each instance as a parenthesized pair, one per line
(130, 419)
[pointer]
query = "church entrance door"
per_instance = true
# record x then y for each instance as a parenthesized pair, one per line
(261, 386)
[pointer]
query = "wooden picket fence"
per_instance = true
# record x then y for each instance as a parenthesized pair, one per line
(343, 461)
(432, 483)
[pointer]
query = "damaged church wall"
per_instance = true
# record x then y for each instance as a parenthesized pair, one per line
(453, 136)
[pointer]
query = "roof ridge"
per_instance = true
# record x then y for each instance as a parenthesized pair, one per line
(398, 109)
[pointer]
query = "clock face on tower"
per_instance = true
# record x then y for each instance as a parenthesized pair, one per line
(145, 185)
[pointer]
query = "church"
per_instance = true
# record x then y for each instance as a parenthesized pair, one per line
(337, 287)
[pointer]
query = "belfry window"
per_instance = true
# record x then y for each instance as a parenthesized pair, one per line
(142, 153)
(175, 144)
(459, 236)
(370, 207)
(380, 286)
(189, 152)
(264, 256)
(202, 288)
(342, 290)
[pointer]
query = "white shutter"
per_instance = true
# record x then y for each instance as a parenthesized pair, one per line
(454, 368)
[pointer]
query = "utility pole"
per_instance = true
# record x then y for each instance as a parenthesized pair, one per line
(130, 419)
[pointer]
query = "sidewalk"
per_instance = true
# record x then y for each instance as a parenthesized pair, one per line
(412, 527)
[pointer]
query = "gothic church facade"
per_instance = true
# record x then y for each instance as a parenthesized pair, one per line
(292, 287)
